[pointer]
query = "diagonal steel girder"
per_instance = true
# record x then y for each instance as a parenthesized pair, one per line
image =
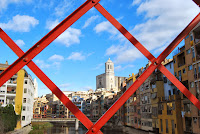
(37, 48)
(197, 2)
(150, 57)
(156, 63)
(41, 75)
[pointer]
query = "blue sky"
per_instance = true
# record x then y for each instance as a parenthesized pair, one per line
(74, 59)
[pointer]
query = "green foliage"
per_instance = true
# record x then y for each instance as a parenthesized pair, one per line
(8, 118)
(40, 127)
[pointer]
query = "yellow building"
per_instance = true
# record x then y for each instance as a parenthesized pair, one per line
(169, 115)
(129, 105)
(156, 93)
(18, 91)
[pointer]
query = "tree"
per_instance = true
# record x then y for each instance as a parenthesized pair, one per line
(8, 118)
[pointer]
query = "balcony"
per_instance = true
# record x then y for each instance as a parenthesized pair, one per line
(11, 90)
(179, 50)
(12, 81)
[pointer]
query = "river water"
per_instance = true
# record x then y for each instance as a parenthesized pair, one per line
(70, 129)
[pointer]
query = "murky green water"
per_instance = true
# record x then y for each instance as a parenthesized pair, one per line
(70, 129)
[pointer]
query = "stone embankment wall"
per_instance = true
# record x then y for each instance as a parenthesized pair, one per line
(24, 130)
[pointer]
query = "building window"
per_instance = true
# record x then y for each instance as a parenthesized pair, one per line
(23, 118)
(191, 84)
(24, 100)
(183, 70)
(191, 37)
(187, 36)
(167, 126)
(173, 127)
(25, 82)
(108, 66)
(161, 125)
(193, 53)
(188, 51)
(175, 74)
(199, 68)
(187, 107)
(24, 108)
(25, 90)
(179, 73)
(190, 67)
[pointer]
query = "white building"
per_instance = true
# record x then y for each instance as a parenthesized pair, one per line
(36, 88)
(108, 81)
(18, 91)
(28, 100)
(169, 88)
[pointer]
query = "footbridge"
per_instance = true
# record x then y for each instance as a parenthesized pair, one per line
(58, 120)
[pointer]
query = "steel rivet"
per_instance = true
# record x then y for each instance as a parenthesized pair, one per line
(25, 59)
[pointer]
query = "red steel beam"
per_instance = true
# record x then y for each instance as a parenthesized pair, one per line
(197, 2)
(146, 74)
(125, 32)
(45, 41)
(41, 75)
(180, 86)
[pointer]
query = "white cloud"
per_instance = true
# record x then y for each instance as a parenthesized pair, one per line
(123, 53)
(76, 56)
(105, 26)
(136, 2)
(90, 20)
(42, 64)
(20, 43)
(4, 3)
(69, 37)
(164, 20)
(120, 68)
(56, 57)
(65, 85)
(86, 88)
(99, 66)
(63, 7)
(51, 24)
(20, 23)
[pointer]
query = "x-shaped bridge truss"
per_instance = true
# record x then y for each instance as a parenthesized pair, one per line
(26, 59)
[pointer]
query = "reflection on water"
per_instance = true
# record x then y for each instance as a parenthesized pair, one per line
(70, 129)
(67, 129)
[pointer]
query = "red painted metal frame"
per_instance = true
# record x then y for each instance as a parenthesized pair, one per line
(45, 41)
(55, 90)
(26, 59)
(197, 2)
(156, 63)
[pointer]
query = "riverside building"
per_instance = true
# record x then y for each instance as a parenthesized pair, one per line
(19, 91)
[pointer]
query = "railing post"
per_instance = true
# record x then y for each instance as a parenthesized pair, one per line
(76, 124)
